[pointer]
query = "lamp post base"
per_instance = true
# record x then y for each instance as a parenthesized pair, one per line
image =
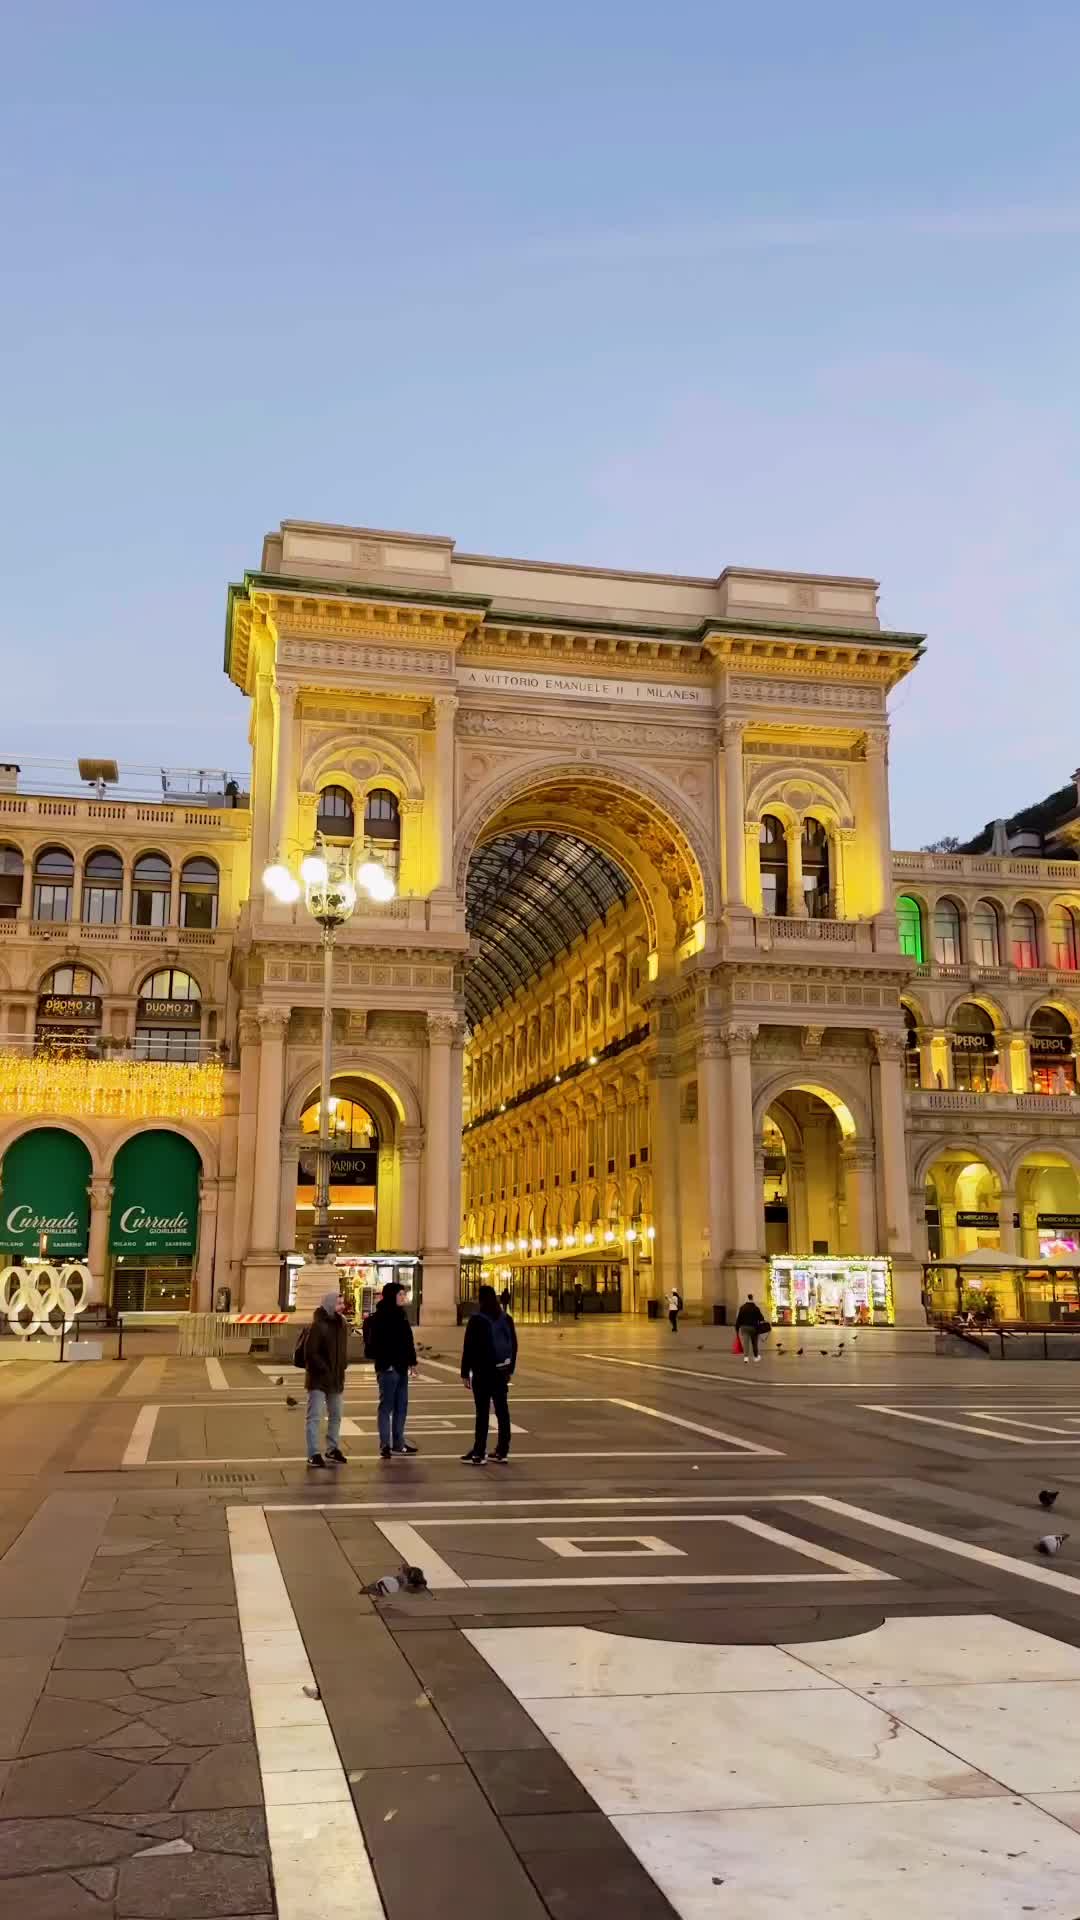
(313, 1280)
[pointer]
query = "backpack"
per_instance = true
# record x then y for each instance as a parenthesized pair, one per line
(367, 1334)
(502, 1339)
(299, 1358)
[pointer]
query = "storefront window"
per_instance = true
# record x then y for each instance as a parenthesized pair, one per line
(947, 934)
(1064, 938)
(830, 1292)
(198, 893)
(168, 1016)
(1025, 937)
(974, 1051)
(1053, 1061)
(909, 923)
(69, 1010)
(103, 889)
(11, 881)
(382, 829)
(54, 878)
(335, 813)
(773, 845)
(151, 890)
(985, 939)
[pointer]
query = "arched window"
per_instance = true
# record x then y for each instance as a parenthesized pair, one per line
(335, 817)
(947, 934)
(815, 869)
(912, 1061)
(198, 893)
(54, 877)
(69, 1010)
(1025, 936)
(985, 935)
(103, 888)
(11, 880)
(772, 842)
(382, 829)
(1064, 939)
(168, 1015)
(909, 923)
(151, 891)
(974, 1050)
(1053, 1059)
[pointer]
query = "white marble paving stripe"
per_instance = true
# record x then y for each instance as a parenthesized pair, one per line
(498, 1501)
(215, 1373)
(695, 1426)
(963, 1549)
(572, 1453)
(825, 1557)
(320, 1863)
(965, 1426)
(137, 1451)
(657, 1366)
(416, 1552)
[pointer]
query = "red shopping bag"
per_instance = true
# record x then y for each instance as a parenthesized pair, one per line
(736, 1345)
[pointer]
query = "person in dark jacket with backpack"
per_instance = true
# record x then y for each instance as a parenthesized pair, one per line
(325, 1358)
(751, 1327)
(389, 1344)
(488, 1359)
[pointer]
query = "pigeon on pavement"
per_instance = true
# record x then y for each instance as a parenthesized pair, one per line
(1051, 1543)
(1047, 1496)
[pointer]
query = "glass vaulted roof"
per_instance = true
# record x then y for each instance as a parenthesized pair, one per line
(529, 896)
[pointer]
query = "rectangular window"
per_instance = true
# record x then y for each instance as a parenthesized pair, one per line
(1024, 954)
(150, 907)
(167, 1043)
(101, 906)
(51, 901)
(198, 910)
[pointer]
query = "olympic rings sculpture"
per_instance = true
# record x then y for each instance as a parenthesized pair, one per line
(44, 1299)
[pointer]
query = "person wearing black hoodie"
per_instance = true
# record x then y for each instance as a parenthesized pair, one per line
(488, 1360)
(326, 1356)
(388, 1341)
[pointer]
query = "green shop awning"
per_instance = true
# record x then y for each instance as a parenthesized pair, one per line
(155, 1203)
(44, 1188)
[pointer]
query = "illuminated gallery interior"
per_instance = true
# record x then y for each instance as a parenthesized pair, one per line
(630, 991)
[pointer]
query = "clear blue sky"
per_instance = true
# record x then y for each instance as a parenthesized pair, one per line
(666, 287)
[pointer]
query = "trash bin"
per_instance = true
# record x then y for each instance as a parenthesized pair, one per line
(719, 1313)
(652, 1309)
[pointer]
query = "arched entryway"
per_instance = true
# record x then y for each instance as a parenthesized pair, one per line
(45, 1197)
(154, 1223)
(820, 1217)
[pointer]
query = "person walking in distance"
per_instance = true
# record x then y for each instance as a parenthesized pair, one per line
(674, 1308)
(488, 1359)
(325, 1357)
(579, 1299)
(750, 1325)
(389, 1345)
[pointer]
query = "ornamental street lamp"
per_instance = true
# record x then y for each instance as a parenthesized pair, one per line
(329, 889)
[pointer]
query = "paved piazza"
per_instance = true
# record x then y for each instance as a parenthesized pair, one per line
(715, 1642)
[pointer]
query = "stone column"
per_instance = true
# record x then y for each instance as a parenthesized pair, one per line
(1014, 1061)
(262, 1267)
(752, 864)
(1006, 1216)
(664, 1109)
(712, 1133)
(203, 1301)
(796, 899)
(26, 899)
(411, 849)
(410, 1152)
(889, 1130)
(745, 1256)
(874, 830)
(283, 771)
(862, 1235)
(734, 810)
(125, 894)
(445, 705)
(840, 840)
(798, 1210)
(920, 1242)
(248, 1034)
(1029, 1232)
(98, 1247)
(287, 1177)
(262, 777)
(441, 1158)
(174, 893)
